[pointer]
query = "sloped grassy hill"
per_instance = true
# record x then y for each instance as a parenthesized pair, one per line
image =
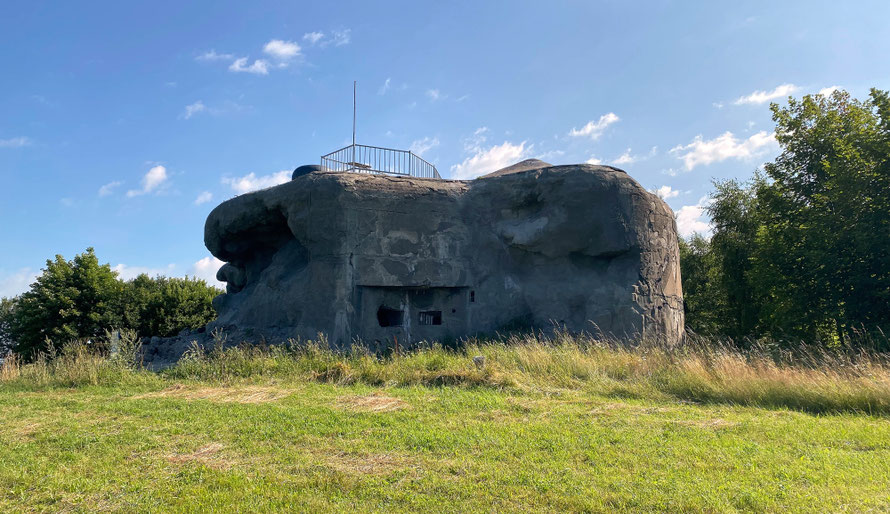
(545, 425)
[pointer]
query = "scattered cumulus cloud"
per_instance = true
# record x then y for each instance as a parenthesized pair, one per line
(259, 66)
(213, 56)
(341, 37)
(629, 158)
(433, 94)
(152, 182)
(203, 197)
(690, 218)
(335, 38)
(282, 50)
(550, 155)
(625, 158)
(109, 188)
(252, 182)
(424, 145)
(206, 269)
(721, 148)
(192, 109)
(17, 282)
(595, 129)
(827, 91)
(313, 37)
(490, 159)
(761, 97)
(484, 159)
(665, 192)
(594, 160)
(15, 142)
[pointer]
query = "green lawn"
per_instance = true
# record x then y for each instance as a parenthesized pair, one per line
(172, 444)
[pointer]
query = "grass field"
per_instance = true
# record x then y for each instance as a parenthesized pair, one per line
(544, 425)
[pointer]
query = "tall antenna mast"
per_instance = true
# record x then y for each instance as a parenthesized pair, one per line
(353, 121)
(353, 111)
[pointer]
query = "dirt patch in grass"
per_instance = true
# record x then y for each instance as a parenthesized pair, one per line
(253, 394)
(372, 464)
(207, 455)
(27, 430)
(609, 408)
(372, 403)
(713, 424)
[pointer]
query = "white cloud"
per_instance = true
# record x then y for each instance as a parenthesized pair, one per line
(340, 37)
(689, 218)
(195, 108)
(259, 66)
(434, 94)
(718, 105)
(282, 50)
(384, 88)
(628, 157)
(665, 192)
(252, 182)
(213, 56)
(15, 142)
(721, 148)
(761, 97)
(550, 154)
(108, 188)
(827, 91)
(595, 129)
(203, 197)
(491, 159)
(313, 37)
(625, 158)
(130, 272)
(594, 160)
(336, 38)
(424, 145)
(206, 269)
(151, 182)
(16, 283)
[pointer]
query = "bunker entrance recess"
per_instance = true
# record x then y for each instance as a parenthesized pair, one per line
(412, 314)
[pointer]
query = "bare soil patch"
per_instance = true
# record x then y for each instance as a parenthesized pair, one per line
(207, 455)
(714, 424)
(372, 403)
(372, 464)
(252, 394)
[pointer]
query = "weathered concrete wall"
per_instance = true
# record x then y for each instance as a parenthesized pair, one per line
(379, 257)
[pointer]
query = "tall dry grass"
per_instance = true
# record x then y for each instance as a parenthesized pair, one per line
(112, 361)
(701, 370)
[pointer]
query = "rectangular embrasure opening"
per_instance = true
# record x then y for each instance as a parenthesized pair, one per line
(430, 318)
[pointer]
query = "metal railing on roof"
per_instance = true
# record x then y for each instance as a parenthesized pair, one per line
(375, 159)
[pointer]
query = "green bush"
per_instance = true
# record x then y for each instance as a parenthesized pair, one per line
(81, 299)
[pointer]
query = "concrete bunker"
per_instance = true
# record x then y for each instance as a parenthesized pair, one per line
(378, 257)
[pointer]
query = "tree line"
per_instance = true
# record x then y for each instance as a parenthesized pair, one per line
(81, 299)
(801, 251)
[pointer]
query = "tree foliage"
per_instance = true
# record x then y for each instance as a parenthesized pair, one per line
(164, 306)
(81, 299)
(804, 249)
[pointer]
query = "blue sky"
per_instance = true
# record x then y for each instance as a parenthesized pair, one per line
(123, 125)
